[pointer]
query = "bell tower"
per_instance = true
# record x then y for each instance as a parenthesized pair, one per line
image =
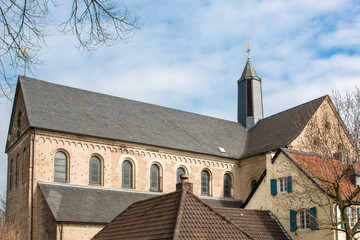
(250, 106)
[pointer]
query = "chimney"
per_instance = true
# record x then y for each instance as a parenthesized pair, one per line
(184, 184)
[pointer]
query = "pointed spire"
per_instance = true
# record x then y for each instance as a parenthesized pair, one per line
(250, 109)
(249, 70)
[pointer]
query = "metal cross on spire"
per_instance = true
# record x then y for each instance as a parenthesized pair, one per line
(248, 49)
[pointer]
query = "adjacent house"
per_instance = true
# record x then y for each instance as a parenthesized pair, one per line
(299, 188)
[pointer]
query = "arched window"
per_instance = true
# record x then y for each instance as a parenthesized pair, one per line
(227, 185)
(11, 169)
(60, 167)
(127, 174)
(18, 124)
(205, 178)
(154, 178)
(95, 171)
(180, 171)
(23, 166)
(17, 171)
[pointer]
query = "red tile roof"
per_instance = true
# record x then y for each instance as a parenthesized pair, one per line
(324, 171)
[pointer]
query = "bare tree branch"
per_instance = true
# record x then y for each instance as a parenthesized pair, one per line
(24, 27)
(334, 163)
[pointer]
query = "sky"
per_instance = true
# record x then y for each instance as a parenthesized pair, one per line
(190, 54)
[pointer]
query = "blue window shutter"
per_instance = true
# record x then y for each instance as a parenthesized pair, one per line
(293, 220)
(358, 212)
(343, 225)
(313, 222)
(289, 184)
(273, 185)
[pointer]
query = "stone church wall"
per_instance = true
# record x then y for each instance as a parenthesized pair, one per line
(18, 192)
(250, 170)
(76, 231)
(79, 150)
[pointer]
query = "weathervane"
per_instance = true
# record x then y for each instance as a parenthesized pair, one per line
(25, 58)
(248, 49)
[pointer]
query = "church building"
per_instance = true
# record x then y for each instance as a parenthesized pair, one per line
(76, 159)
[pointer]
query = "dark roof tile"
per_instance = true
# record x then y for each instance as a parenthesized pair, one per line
(281, 129)
(66, 109)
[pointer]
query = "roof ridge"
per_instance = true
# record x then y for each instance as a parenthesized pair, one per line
(127, 99)
(220, 215)
(297, 106)
(156, 194)
(180, 214)
(289, 150)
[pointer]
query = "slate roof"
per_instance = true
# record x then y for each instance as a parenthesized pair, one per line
(281, 129)
(260, 224)
(66, 109)
(249, 71)
(60, 108)
(177, 215)
(73, 203)
(324, 171)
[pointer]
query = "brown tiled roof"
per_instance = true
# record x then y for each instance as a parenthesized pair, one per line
(177, 215)
(260, 224)
(324, 170)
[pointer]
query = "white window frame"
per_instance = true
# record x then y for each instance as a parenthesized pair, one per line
(357, 181)
(351, 214)
(304, 219)
(283, 185)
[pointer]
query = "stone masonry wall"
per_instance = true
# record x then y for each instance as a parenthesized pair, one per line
(79, 151)
(18, 195)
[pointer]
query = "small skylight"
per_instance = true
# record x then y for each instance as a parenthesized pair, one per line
(222, 150)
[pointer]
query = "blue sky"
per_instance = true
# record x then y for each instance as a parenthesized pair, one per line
(190, 54)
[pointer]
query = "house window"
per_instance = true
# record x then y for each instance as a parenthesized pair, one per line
(351, 214)
(304, 219)
(227, 185)
(205, 178)
(95, 171)
(23, 166)
(283, 185)
(180, 171)
(60, 167)
(357, 181)
(154, 178)
(17, 171)
(18, 124)
(127, 174)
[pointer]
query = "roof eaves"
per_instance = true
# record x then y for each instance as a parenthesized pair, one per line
(46, 200)
(280, 225)
(307, 174)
